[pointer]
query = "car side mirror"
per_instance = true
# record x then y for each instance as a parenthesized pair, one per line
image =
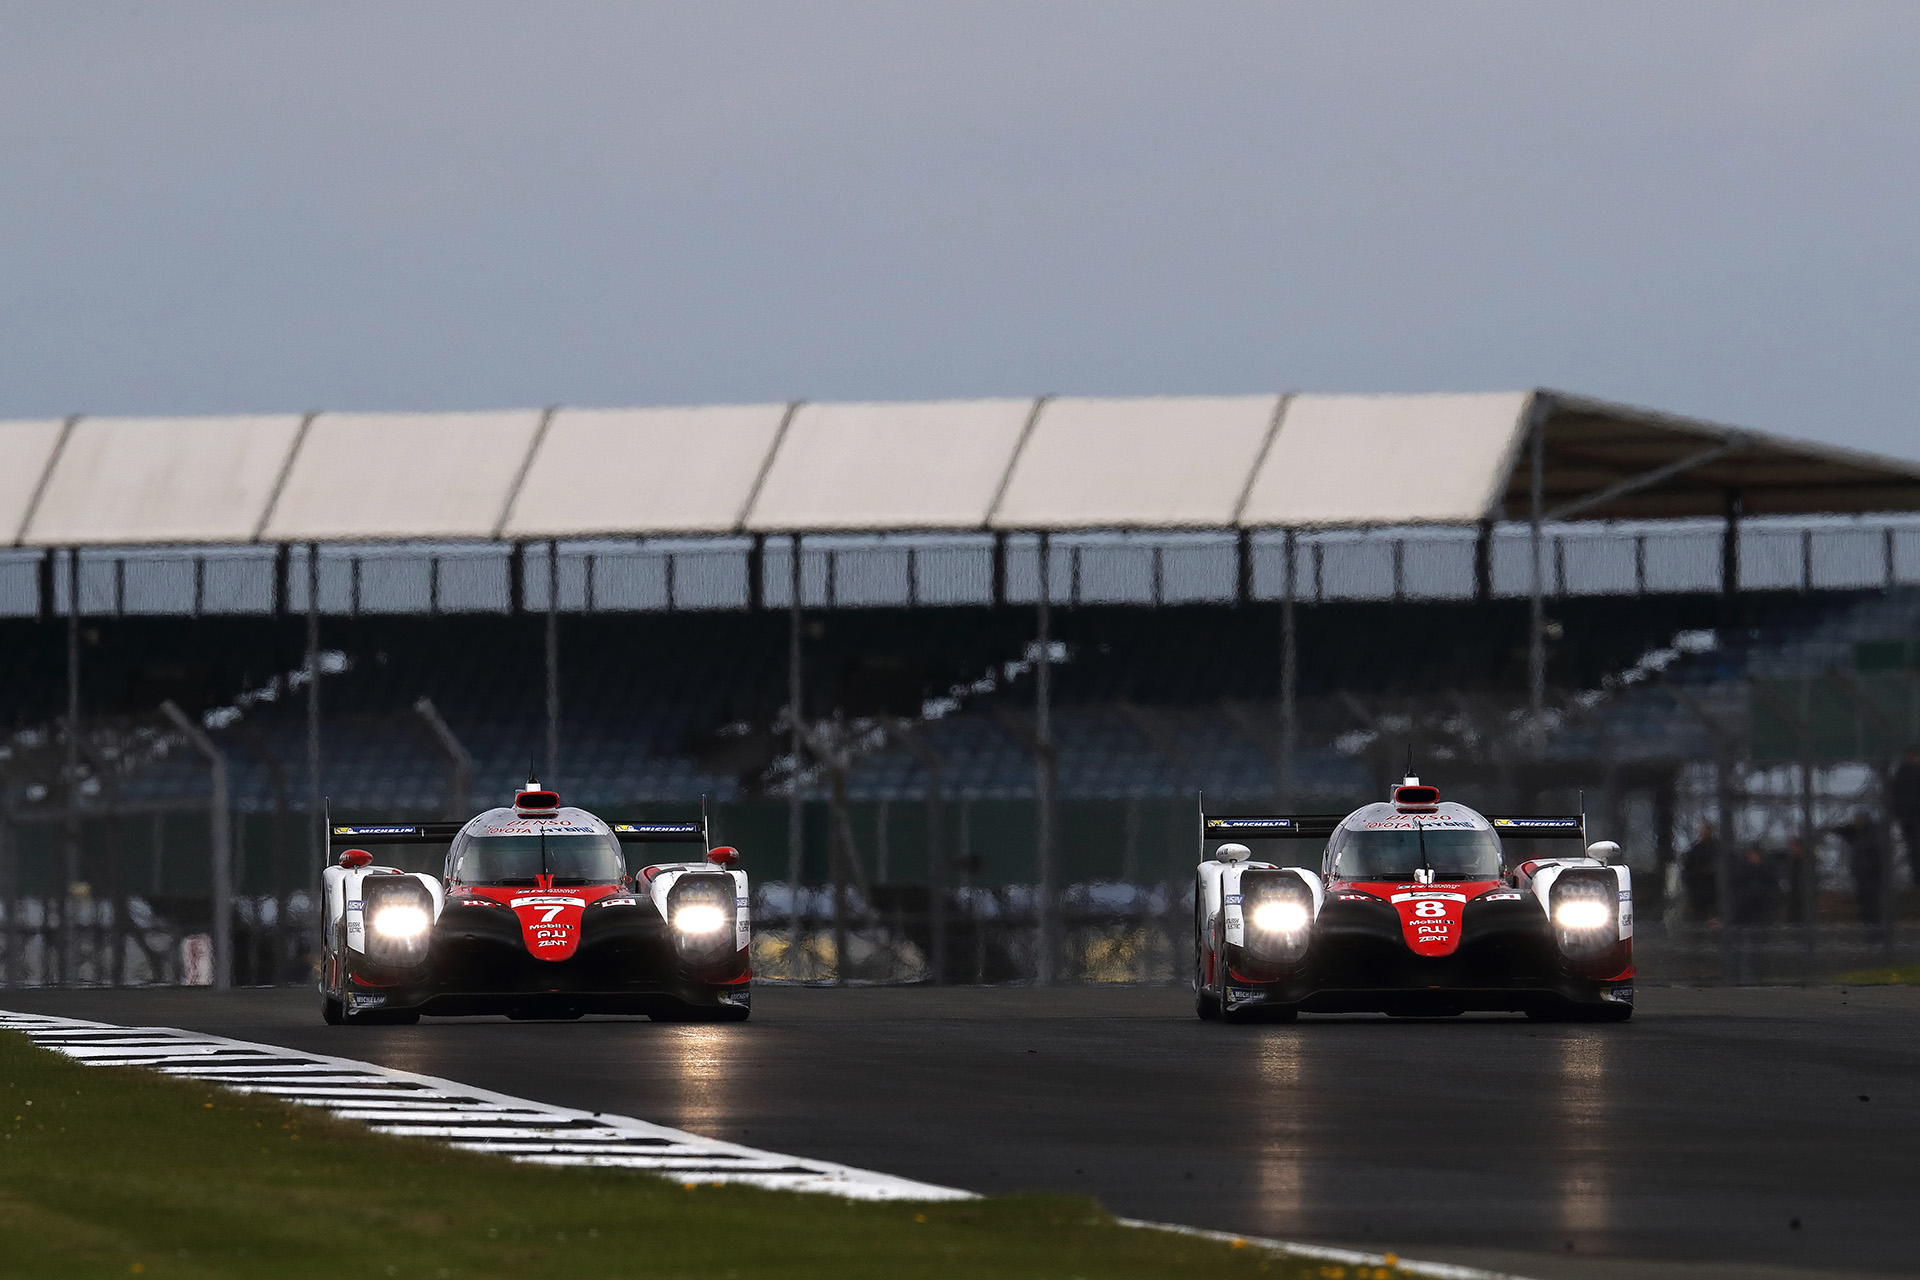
(1604, 850)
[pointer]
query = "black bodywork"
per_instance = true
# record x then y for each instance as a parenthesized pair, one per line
(1357, 961)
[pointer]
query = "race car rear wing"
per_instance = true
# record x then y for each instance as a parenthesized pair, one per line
(443, 832)
(1318, 826)
(393, 833)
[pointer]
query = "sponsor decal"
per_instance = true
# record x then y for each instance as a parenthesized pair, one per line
(1503, 897)
(356, 904)
(739, 997)
(375, 831)
(618, 902)
(1235, 899)
(1619, 995)
(657, 828)
(358, 1001)
(1539, 824)
(1238, 996)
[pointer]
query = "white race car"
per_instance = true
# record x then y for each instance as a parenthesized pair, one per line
(1417, 910)
(537, 915)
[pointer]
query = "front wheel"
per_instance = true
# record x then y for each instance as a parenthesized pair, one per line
(1206, 1005)
(331, 1012)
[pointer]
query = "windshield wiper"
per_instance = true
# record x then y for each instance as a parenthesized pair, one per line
(1420, 829)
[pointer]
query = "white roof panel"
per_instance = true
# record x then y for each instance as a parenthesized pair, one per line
(641, 471)
(27, 444)
(148, 480)
(1376, 460)
(402, 475)
(925, 465)
(1148, 462)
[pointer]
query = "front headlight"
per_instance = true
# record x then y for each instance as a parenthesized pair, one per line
(1277, 907)
(1582, 914)
(399, 916)
(699, 919)
(1280, 917)
(401, 922)
(1584, 907)
(701, 908)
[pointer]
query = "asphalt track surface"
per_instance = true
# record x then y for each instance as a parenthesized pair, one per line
(1720, 1134)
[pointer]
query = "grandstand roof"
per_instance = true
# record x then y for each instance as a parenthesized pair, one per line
(1201, 462)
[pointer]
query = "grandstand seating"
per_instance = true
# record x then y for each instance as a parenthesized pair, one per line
(1146, 700)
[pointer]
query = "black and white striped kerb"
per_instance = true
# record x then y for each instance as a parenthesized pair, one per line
(400, 1102)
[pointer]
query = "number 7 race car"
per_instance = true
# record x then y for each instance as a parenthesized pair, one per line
(1417, 910)
(535, 916)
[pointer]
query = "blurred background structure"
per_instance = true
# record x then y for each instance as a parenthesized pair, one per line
(955, 676)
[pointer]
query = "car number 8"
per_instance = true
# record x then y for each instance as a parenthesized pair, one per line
(1429, 908)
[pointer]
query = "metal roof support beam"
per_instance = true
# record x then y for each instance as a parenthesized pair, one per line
(1536, 604)
(69, 936)
(1647, 479)
(316, 820)
(220, 817)
(797, 735)
(1483, 562)
(553, 662)
(1045, 766)
(1289, 675)
(1730, 546)
(459, 805)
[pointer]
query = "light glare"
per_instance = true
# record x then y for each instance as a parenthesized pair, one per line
(400, 922)
(1280, 917)
(1582, 915)
(699, 919)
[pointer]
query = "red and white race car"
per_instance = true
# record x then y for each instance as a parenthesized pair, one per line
(1417, 910)
(535, 916)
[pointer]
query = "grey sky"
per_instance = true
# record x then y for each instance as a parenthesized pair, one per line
(1709, 208)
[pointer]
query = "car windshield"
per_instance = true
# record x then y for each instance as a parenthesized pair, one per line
(1394, 854)
(574, 859)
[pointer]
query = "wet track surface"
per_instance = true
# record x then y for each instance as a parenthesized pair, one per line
(1723, 1133)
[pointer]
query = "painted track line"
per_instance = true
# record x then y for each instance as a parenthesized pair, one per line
(404, 1103)
(408, 1104)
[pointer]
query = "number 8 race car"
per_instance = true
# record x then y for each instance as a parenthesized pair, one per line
(536, 916)
(1416, 911)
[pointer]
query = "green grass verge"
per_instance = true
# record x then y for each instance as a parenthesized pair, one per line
(111, 1171)
(1899, 975)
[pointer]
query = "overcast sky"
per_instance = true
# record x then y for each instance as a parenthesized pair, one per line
(1708, 208)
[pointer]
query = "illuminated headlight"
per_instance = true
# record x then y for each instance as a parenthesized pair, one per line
(699, 918)
(399, 915)
(1278, 910)
(1585, 912)
(1582, 914)
(701, 908)
(1280, 917)
(401, 922)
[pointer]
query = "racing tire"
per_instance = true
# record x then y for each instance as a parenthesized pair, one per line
(1206, 1005)
(331, 1012)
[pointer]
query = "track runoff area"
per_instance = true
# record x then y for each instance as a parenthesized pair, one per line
(1759, 1132)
